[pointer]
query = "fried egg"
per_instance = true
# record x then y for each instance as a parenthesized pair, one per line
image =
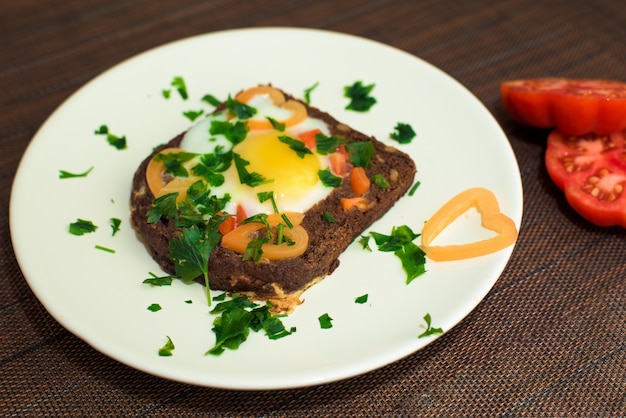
(293, 179)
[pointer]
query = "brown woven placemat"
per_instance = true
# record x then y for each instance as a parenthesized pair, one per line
(548, 340)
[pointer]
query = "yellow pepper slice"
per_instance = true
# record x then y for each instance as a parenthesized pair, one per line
(487, 205)
(238, 239)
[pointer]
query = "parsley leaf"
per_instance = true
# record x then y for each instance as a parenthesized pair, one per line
(234, 132)
(181, 87)
(231, 329)
(403, 133)
(328, 179)
(400, 242)
(325, 321)
(245, 177)
(307, 92)
(167, 349)
(118, 142)
(429, 329)
(190, 252)
(253, 249)
(240, 110)
(297, 146)
(328, 217)
(163, 206)
(400, 235)
(265, 196)
(380, 181)
(359, 95)
(115, 225)
(212, 100)
(155, 307)
(325, 145)
(364, 240)
(193, 114)
(361, 299)
(279, 126)
(154, 280)
(361, 153)
(82, 227)
(67, 175)
(174, 162)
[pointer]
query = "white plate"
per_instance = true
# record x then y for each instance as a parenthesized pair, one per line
(99, 296)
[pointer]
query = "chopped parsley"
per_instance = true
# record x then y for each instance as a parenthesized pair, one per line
(414, 188)
(400, 242)
(234, 132)
(307, 92)
(361, 153)
(245, 177)
(155, 307)
(191, 249)
(181, 87)
(115, 225)
(325, 321)
(403, 133)
(429, 329)
(237, 317)
(240, 110)
(364, 240)
(279, 126)
(380, 181)
(328, 179)
(67, 175)
(108, 250)
(296, 145)
(328, 217)
(82, 227)
(166, 350)
(361, 299)
(155, 280)
(174, 162)
(325, 145)
(212, 100)
(193, 114)
(359, 95)
(118, 142)
(265, 196)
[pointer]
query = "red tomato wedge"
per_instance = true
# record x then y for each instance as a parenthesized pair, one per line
(574, 106)
(591, 170)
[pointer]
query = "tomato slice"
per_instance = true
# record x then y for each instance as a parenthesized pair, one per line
(591, 170)
(574, 106)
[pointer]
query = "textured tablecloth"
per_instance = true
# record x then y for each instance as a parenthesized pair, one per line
(548, 340)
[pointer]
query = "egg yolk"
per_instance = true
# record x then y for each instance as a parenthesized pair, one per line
(291, 175)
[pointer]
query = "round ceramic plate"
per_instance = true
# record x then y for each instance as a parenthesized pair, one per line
(99, 296)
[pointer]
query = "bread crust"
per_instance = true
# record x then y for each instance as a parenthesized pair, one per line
(282, 281)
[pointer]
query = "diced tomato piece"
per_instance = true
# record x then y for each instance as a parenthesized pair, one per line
(339, 162)
(574, 106)
(241, 215)
(308, 137)
(227, 225)
(591, 170)
(359, 181)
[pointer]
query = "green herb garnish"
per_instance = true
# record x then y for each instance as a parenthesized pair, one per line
(181, 87)
(234, 132)
(118, 142)
(414, 188)
(328, 217)
(297, 146)
(380, 181)
(191, 249)
(155, 307)
(328, 179)
(155, 280)
(364, 240)
(359, 95)
(307, 92)
(245, 177)
(400, 242)
(279, 126)
(403, 133)
(174, 162)
(108, 250)
(115, 225)
(265, 196)
(82, 227)
(193, 114)
(429, 329)
(240, 110)
(361, 153)
(67, 175)
(361, 299)
(212, 100)
(166, 350)
(164, 206)
(325, 321)
(325, 145)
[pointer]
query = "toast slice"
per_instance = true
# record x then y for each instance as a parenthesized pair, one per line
(282, 281)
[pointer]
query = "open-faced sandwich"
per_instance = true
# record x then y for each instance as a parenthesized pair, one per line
(262, 196)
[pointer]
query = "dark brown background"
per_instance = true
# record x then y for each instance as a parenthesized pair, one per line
(548, 340)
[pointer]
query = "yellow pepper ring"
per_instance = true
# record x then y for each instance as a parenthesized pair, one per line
(297, 109)
(238, 239)
(487, 205)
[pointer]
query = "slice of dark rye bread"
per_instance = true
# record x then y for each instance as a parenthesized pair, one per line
(281, 282)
